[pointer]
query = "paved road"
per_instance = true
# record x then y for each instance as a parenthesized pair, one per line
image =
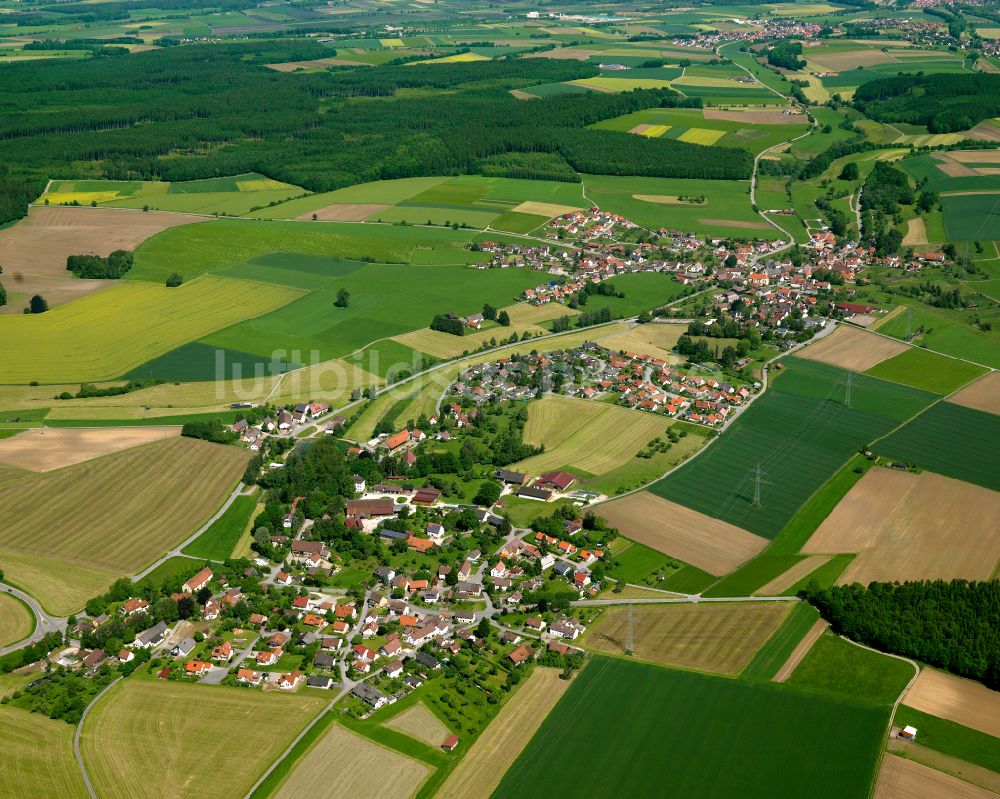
(686, 599)
(79, 731)
(176, 551)
(44, 622)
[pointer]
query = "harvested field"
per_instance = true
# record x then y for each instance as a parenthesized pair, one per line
(592, 436)
(175, 729)
(34, 251)
(568, 53)
(916, 232)
(939, 761)
(419, 722)
(497, 748)
(37, 760)
(521, 95)
(16, 621)
(345, 765)
(653, 339)
(755, 117)
(965, 702)
(319, 63)
(983, 395)
(852, 59)
(954, 170)
(710, 544)
(801, 650)
(524, 313)
(787, 579)
(735, 223)
(850, 348)
(665, 199)
(151, 497)
(970, 156)
(718, 638)
(447, 346)
(544, 209)
(900, 778)
(345, 212)
(45, 449)
(913, 527)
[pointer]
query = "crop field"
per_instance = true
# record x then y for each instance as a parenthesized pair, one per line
(45, 449)
(380, 192)
(983, 395)
(853, 349)
(726, 209)
(732, 129)
(225, 243)
(951, 440)
(783, 643)
(345, 765)
(714, 737)
(952, 747)
(218, 541)
(710, 544)
(197, 725)
(901, 777)
(419, 722)
(37, 246)
(657, 340)
(835, 665)
(232, 196)
(944, 331)
(151, 497)
(717, 638)
(913, 527)
(971, 215)
(16, 621)
(316, 330)
(587, 436)
(447, 346)
(636, 563)
(104, 335)
(927, 370)
(496, 749)
(38, 757)
(964, 702)
(802, 568)
(805, 410)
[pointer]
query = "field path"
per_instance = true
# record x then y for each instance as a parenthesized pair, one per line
(176, 551)
(79, 732)
(800, 651)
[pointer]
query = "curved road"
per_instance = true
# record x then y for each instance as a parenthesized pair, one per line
(44, 622)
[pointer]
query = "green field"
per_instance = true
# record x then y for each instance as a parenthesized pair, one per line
(927, 370)
(727, 207)
(836, 666)
(103, 335)
(637, 563)
(948, 331)
(801, 431)
(778, 649)
(952, 739)
(232, 196)
(951, 440)
(972, 217)
(713, 737)
(217, 542)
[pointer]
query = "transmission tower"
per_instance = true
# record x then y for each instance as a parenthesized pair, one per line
(850, 383)
(628, 638)
(758, 481)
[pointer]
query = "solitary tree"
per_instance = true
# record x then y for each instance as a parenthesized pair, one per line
(38, 304)
(343, 298)
(503, 318)
(174, 279)
(3, 295)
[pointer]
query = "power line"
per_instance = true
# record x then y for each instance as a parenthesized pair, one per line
(850, 383)
(628, 641)
(758, 482)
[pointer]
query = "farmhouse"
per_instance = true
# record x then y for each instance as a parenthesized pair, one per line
(199, 581)
(370, 508)
(133, 606)
(557, 481)
(532, 492)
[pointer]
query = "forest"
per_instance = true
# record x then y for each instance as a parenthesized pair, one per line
(185, 113)
(944, 102)
(952, 625)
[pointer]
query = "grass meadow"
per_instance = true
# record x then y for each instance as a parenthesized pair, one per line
(951, 440)
(714, 737)
(218, 541)
(779, 647)
(927, 370)
(800, 432)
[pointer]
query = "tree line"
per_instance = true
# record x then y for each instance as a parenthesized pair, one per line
(951, 625)
(944, 102)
